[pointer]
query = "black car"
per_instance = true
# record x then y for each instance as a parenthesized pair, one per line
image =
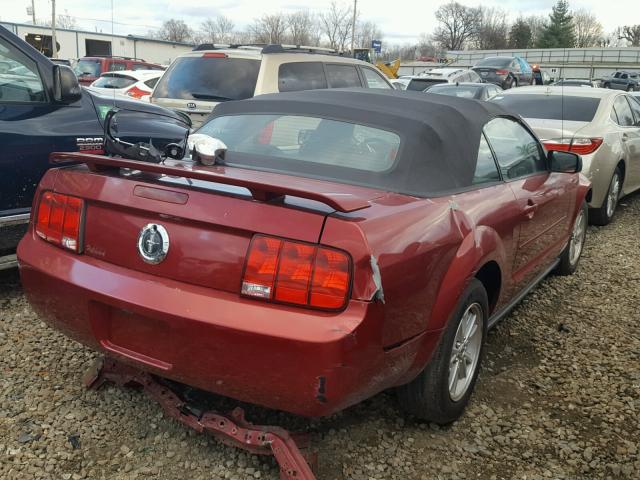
(623, 80)
(42, 110)
(506, 72)
(476, 91)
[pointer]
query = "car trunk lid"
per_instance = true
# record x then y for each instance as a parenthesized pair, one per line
(210, 214)
(553, 129)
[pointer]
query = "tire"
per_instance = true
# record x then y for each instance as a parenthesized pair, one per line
(630, 88)
(429, 396)
(602, 216)
(570, 256)
(606, 85)
(513, 83)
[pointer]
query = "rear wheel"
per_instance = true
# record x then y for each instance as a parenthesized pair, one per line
(603, 215)
(442, 390)
(571, 254)
(512, 83)
(606, 85)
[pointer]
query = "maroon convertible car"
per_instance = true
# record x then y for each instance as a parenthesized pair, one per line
(345, 242)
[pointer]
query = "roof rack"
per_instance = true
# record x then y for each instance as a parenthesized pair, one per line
(118, 57)
(266, 48)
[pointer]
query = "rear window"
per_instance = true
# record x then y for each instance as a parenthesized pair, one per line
(460, 91)
(550, 107)
(419, 84)
(114, 81)
(297, 76)
(500, 62)
(305, 146)
(215, 79)
(87, 68)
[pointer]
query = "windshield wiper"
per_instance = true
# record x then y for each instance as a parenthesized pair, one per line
(207, 96)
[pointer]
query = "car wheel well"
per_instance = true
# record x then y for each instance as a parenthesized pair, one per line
(491, 278)
(588, 196)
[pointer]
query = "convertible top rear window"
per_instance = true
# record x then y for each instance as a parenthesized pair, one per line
(550, 107)
(305, 145)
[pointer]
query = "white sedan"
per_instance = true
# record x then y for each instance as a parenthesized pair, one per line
(601, 125)
(136, 84)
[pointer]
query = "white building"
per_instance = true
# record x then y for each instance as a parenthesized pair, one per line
(78, 44)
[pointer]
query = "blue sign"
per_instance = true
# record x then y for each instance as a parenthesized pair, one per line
(376, 45)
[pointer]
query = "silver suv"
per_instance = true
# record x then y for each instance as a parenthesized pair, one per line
(197, 81)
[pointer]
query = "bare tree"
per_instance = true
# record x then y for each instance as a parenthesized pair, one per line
(300, 26)
(456, 25)
(366, 32)
(65, 21)
(336, 25)
(492, 30)
(269, 28)
(217, 30)
(537, 24)
(630, 33)
(174, 30)
(587, 28)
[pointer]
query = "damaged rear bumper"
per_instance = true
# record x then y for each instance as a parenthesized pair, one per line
(305, 362)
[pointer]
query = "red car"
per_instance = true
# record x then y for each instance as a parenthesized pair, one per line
(344, 243)
(89, 69)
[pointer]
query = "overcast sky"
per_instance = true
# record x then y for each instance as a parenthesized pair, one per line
(400, 21)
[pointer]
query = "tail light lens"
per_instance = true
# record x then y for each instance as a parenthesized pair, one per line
(58, 220)
(136, 92)
(581, 146)
(296, 273)
(502, 72)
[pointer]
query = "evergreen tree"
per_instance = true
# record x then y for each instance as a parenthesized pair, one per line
(559, 33)
(520, 35)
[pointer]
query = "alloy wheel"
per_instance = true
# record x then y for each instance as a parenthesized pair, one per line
(465, 353)
(576, 243)
(614, 195)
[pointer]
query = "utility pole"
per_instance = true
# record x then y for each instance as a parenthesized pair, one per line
(33, 11)
(54, 44)
(353, 27)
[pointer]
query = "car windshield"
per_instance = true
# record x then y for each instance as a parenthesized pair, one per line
(462, 91)
(86, 68)
(550, 107)
(419, 84)
(500, 62)
(209, 78)
(114, 81)
(305, 145)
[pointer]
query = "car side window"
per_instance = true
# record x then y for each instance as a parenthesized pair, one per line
(296, 76)
(486, 168)
(19, 77)
(625, 117)
(624, 76)
(151, 83)
(374, 79)
(517, 151)
(635, 108)
(342, 76)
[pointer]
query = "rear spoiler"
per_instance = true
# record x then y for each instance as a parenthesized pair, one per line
(264, 186)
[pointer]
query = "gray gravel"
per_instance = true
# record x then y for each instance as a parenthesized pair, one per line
(559, 397)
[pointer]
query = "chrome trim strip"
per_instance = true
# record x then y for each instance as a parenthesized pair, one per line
(8, 261)
(14, 219)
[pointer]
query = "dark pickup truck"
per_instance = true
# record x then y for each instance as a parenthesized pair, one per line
(623, 80)
(42, 110)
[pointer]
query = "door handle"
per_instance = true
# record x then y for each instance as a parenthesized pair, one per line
(530, 209)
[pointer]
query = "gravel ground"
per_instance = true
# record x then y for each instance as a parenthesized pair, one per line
(559, 397)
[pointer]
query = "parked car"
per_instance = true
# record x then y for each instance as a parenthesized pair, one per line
(442, 75)
(603, 126)
(400, 83)
(506, 72)
(197, 81)
(575, 82)
(350, 240)
(622, 80)
(476, 91)
(89, 69)
(43, 110)
(137, 84)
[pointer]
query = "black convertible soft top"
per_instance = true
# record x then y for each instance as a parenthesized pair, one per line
(440, 135)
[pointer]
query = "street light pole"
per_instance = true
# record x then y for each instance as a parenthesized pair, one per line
(353, 27)
(33, 11)
(54, 44)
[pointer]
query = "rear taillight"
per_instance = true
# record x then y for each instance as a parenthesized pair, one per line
(502, 72)
(296, 273)
(58, 220)
(581, 146)
(214, 55)
(136, 92)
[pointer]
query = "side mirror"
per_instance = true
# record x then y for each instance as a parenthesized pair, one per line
(564, 162)
(66, 88)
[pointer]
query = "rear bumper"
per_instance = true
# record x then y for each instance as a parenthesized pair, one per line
(305, 362)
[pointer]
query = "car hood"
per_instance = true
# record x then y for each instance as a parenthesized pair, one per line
(547, 129)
